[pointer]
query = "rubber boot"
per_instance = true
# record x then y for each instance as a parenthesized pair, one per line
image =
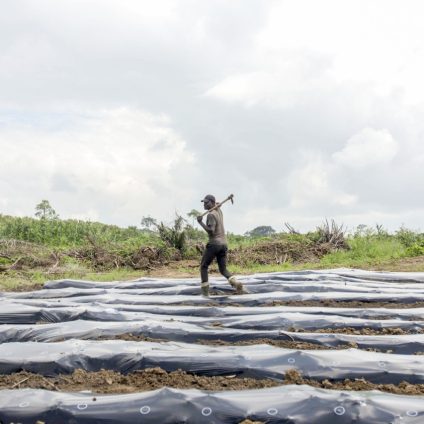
(236, 285)
(204, 287)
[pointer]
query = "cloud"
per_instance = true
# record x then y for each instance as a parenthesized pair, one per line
(115, 110)
(116, 165)
(369, 147)
(312, 186)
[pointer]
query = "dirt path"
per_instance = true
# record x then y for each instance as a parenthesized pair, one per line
(155, 378)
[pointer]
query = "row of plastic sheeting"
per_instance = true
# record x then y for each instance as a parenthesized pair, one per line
(257, 361)
(336, 276)
(115, 296)
(282, 319)
(302, 285)
(14, 312)
(284, 404)
(185, 332)
(173, 310)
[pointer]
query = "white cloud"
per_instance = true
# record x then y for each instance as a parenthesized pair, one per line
(312, 109)
(115, 165)
(369, 147)
(311, 185)
(307, 46)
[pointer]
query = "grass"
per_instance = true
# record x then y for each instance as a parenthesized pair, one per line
(368, 249)
(365, 251)
(35, 279)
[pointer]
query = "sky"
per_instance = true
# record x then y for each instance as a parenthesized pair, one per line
(305, 110)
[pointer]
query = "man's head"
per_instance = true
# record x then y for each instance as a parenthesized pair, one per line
(209, 201)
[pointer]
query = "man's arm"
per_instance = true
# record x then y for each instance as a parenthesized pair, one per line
(210, 225)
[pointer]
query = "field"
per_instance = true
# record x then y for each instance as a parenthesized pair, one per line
(304, 346)
(120, 332)
(33, 251)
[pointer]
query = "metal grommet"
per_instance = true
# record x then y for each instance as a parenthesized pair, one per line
(82, 406)
(272, 411)
(206, 411)
(291, 360)
(382, 364)
(339, 410)
(145, 410)
(412, 413)
(23, 405)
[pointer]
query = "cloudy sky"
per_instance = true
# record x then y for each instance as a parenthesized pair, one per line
(118, 109)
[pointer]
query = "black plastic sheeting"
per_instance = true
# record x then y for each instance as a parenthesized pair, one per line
(26, 314)
(264, 288)
(176, 331)
(67, 311)
(281, 320)
(257, 361)
(284, 404)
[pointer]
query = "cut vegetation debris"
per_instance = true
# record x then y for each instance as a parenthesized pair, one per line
(33, 250)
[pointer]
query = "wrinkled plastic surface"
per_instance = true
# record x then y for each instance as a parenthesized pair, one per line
(257, 361)
(173, 310)
(284, 404)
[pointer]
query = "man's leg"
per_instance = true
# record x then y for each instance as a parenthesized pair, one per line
(221, 257)
(207, 258)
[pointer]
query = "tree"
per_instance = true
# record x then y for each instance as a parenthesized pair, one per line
(45, 211)
(261, 231)
(147, 222)
(176, 235)
(193, 214)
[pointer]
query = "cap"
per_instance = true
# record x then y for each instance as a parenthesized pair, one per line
(209, 197)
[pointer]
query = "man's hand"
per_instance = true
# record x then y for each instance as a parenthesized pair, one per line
(199, 219)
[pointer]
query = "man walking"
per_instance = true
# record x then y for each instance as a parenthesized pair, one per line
(216, 247)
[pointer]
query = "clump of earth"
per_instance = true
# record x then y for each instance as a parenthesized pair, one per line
(107, 381)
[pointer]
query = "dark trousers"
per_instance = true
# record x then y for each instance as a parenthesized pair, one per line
(218, 251)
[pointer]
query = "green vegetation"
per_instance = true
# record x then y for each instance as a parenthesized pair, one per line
(33, 250)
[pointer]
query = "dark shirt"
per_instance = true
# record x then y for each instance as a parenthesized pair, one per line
(215, 221)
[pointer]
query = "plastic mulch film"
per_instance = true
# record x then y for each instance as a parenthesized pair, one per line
(284, 404)
(68, 311)
(257, 361)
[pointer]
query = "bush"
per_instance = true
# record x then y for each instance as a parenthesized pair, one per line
(415, 250)
(174, 236)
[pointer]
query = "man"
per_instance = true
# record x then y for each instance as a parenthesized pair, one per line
(216, 247)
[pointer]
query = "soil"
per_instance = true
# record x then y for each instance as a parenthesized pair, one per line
(105, 381)
(345, 304)
(294, 377)
(108, 381)
(359, 331)
(287, 344)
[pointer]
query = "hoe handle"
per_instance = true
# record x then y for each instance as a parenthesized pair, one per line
(219, 204)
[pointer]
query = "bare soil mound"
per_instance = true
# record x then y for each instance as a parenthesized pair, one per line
(287, 344)
(106, 381)
(359, 331)
(346, 304)
(294, 377)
